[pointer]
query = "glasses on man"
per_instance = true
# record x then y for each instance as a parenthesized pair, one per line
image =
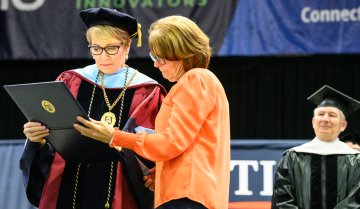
(110, 50)
(155, 58)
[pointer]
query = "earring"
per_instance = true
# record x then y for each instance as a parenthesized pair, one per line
(126, 57)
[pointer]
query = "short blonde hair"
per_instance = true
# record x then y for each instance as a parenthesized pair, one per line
(105, 32)
(178, 38)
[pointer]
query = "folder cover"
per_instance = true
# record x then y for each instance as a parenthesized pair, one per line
(52, 104)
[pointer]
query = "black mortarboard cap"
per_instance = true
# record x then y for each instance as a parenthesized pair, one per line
(112, 17)
(327, 96)
(353, 137)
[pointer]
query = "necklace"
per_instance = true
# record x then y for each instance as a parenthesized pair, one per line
(109, 117)
(121, 95)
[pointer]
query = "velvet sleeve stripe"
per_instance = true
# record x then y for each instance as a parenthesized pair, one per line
(315, 191)
(331, 181)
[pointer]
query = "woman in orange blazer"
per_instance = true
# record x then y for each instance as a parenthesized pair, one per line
(191, 143)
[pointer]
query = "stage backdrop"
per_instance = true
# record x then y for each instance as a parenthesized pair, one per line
(253, 164)
(48, 29)
(263, 27)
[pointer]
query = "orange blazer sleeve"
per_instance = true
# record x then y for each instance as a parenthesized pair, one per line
(178, 122)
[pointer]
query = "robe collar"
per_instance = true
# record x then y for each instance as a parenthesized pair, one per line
(115, 80)
(316, 146)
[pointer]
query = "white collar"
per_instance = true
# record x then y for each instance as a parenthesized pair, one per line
(316, 146)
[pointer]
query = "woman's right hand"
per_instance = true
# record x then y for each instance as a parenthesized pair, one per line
(36, 132)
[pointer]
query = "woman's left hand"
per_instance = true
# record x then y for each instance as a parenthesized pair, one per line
(95, 129)
(150, 179)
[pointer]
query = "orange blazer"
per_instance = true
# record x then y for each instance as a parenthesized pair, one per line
(191, 145)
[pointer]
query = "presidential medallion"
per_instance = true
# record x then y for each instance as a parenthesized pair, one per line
(109, 118)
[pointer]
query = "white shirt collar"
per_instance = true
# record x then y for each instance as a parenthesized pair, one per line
(316, 146)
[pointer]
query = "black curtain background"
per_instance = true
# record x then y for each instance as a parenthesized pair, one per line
(267, 95)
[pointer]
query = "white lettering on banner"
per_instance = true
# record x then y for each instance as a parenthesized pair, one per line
(268, 177)
(309, 15)
(20, 5)
(119, 4)
(243, 170)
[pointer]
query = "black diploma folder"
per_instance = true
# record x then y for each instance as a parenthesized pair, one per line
(52, 104)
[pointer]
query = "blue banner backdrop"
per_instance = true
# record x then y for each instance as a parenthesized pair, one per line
(252, 169)
(277, 27)
(253, 164)
(48, 29)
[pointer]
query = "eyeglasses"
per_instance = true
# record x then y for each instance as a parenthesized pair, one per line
(154, 58)
(110, 50)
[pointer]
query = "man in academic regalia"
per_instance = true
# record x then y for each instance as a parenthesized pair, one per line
(325, 172)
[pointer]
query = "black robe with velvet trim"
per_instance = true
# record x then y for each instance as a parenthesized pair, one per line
(94, 176)
(313, 181)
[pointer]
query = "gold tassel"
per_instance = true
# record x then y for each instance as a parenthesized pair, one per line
(139, 35)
